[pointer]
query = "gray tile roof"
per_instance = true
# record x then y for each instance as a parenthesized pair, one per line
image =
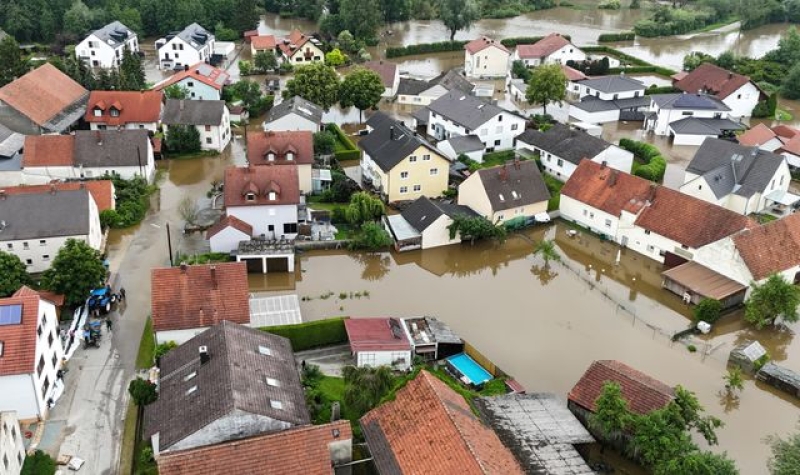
(411, 87)
(449, 80)
(184, 112)
(700, 126)
(10, 142)
(466, 143)
(612, 84)
(114, 34)
(563, 142)
(423, 212)
(195, 35)
(593, 104)
(390, 142)
(232, 382)
(296, 105)
(43, 215)
(465, 110)
(682, 101)
(111, 148)
(512, 185)
(732, 168)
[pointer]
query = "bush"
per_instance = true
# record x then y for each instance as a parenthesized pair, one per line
(305, 336)
(324, 142)
(245, 68)
(371, 237)
(708, 310)
(133, 200)
(621, 36)
(660, 90)
(164, 348)
(609, 5)
(524, 40)
(653, 164)
(142, 391)
(344, 149)
(39, 463)
(425, 48)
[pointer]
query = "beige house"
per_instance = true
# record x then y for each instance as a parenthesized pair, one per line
(514, 192)
(425, 224)
(399, 164)
(485, 58)
(299, 48)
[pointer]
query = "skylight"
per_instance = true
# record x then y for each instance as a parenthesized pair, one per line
(502, 198)
(191, 390)
(272, 382)
(190, 376)
(264, 350)
(515, 195)
(10, 314)
(275, 404)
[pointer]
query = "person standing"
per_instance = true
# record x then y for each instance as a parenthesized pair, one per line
(122, 293)
(108, 323)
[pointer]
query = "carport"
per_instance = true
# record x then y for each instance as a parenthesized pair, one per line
(266, 255)
(698, 282)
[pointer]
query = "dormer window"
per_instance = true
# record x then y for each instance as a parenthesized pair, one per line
(290, 156)
(271, 156)
(272, 196)
(114, 112)
(98, 112)
(250, 196)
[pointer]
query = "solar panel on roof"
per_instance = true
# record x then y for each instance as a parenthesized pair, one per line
(10, 314)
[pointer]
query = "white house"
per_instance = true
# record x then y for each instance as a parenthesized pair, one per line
(31, 354)
(12, 450)
(265, 197)
(294, 114)
(294, 148)
(201, 81)
(553, 48)
(105, 47)
(422, 93)
(736, 91)
(194, 44)
(35, 226)
(226, 234)
(124, 110)
(389, 73)
(561, 149)
(485, 58)
(424, 224)
(689, 118)
(210, 118)
(299, 48)
(607, 99)
(609, 88)
(456, 113)
(379, 342)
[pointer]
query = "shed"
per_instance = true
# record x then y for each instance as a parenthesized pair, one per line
(431, 338)
(700, 283)
(378, 342)
(785, 379)
(747, 355)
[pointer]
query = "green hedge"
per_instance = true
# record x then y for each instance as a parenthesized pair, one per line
(654, 165)
(344, 148)
(424, 48)
(643, 70)
(621, 36)
(305, 336)
(525, 40)
(660, 90)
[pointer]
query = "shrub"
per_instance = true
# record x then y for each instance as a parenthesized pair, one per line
(164, 348)
(39, 463)
(142, 391)
(524, 40)
(621, 36)
(425, 48)
(371, 237)
(653, 164)
(708, 310)
(609, 5)
(344, 148)
(305, 336)
(660, 90)
(245, 68)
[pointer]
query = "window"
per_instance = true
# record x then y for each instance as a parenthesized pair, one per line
(417, 187)
(98, 112)
(272, 196)
(114, 112)
(514, 126)
(272, 382)
(190, 84)
(412, 158)
(647, 231)
(45, 257)
(560, 162)
(28, 262)
(585, 212)
(687, 113)
(208, 128)
(10, 246)
(264, 350)
(403, 175)
(191, 390)
(25, 246)
(290, 228)
(434, 171)
(739, 96)
(651, 248)
(403, 190)
(271, 157)
(591, 215)
(91, 44)
(275, 404)
(500, 118)
(426, 157)
(250, 197)
(496, 143)
(208, 140)
(608, 223)
(190, 376)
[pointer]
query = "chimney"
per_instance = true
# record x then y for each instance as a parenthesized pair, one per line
(391, 132)
(603, 165)
(730, 75)
(612, 179)
(214, 276)
(186, 67)
(184, 267)
(99, 137)
(503, 173)
(205, 357)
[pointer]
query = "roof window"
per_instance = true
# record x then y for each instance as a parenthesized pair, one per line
(264, 350)
(275, 404)
(272, 382)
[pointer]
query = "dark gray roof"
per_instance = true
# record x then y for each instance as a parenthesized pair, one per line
(465, 110)
(466, 143)
(449, 80)
(411, 87)
(612, 84)
(423, 212)
(593, 104)
(111, 148)
(390, 142)
(729, 167)
(10, 142)
(785, 375)
(195, 35)
(184, 112)
(234, 380)
(700, 126)
(682, 101)
(512, 185)
(114, 34)
(299, 106)
(43, 215)
(563, 142)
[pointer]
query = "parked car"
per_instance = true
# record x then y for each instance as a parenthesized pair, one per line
(101, 299)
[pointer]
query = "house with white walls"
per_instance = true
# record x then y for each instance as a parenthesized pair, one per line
(210, 118)
(104, 48)
(300, 48)
(553, 48)
(295, 113)
(265, 197)
(378, 342)
(423, 92)
(485, 58)
(389, 73)
(607, 99)
(736, 91)
(124, 110)
(609, 88)
(30, 354)
(689, 118)
(469, 146)
(293, 148)
(194, 44)
(227, 233)
(201, 81)
(561, 149)
(12, 449)
(424, 224)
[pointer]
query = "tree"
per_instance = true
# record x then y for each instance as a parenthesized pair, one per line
(788, 50)
(324, 143)
(38, 464)
(734, 380)
(78, 19)
(164, 348)
(347, 42)
(314, 82)
(12, 64)
(458, 14)
(790, 88)
(611, 415)
(362, 88)
(364, 387)
(785, 458)
(546, 248)
(520, 71)
(371, 237)
(188, 209)
(176, 91)
(247, 91)
(183, 139)
(76, 270)
(13, 274)
(694, 59)
(362, 18)
(131, 72)
(475, 228)
(774, 298)
(396, 10)
(335, 58)
(547, 84)
(245, 15)
(363, 208)
(265, 61)
(698, 463)
(142, 391)
(708, 310)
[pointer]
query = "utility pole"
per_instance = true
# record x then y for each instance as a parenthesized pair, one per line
(169, 246)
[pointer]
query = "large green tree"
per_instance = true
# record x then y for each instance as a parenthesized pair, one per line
(547, 84)
(458, 14)
(314, 82)
(475, 228)
(546, 249)
(788, 50)
(774, 298)
(365, 386)
(265, 61)
(176, 91)
(131, 72)
(790, 88)
(12, 63)
(13, 274)
(76, 270)
(364, 208)
(785, 458)
(362, 18)
(183, 139)
(361, 88)
(245, 15)
(611, 415)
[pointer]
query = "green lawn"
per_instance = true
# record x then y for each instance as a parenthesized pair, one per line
(147, 347)
(782, 115)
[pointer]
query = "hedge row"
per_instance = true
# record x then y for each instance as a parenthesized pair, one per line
(643, 70)
(344, 148)
(636, 65)
(660, 90)
(305, 336)
(424, 48)
(525, 40)
(621, 36)
(654, 164)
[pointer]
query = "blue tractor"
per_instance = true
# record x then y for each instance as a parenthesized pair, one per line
(101, 299)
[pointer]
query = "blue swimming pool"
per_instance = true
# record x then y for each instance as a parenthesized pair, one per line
(469, 368)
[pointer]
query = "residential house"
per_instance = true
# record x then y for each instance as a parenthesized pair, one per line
(422, 93)
(299, 48)
(400, 164)
(12, 449)
(485, 58)
(469, 146)
(780, 139)
(389, 73)
(34, 226)
(518, 87)
(742, 179)
(378, 342)
(262, 43)
(105, 47)
(736, 91)
(294, 114)
(31, 354)
(194, 44)
(307, 450)
(230, 382)
(431, 339)
(424, 224)
(608, 99)
(609, 88)
(88, 154)
(124, 110)
(227, 233)
(201, 81)
(11, 146)
(513, 193)
(210, 118)
(42, 101)
(553, 48)
(456, 113)
(267, 198)
(689, 118)
(561, 149)
(429, 428)
(292, 148)
(187, 300)
(102, 191)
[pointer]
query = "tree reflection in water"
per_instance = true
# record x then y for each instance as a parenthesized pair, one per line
(376, 265)
(544, 273)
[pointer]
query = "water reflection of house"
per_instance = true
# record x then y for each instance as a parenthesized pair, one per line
(431, 338)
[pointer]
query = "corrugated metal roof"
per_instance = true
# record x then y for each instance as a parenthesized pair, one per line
(703, 281)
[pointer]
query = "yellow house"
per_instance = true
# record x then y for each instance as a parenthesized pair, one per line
(514, 191)
(299, 48)
(400, 164)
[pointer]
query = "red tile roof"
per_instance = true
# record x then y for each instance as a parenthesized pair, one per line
(430, 429)
(229, 221)
(572, 74)
(607, 189)
(296, 38)
(101, 190)
(263, 42)
(133, 107)
(482, 43)
(42, 93)
(19, 341)
(202, 72)
(643, 393)
(385, 70)
(712, 79)
(189, 297)
(758, 135)
(49, 151)
(249, 34)
(299, 142)
(786, 132)
(298, 451)
(260, 181)
(792, 146)
(542, 48)
(772, 247)
(52, 297)
(376, 334)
